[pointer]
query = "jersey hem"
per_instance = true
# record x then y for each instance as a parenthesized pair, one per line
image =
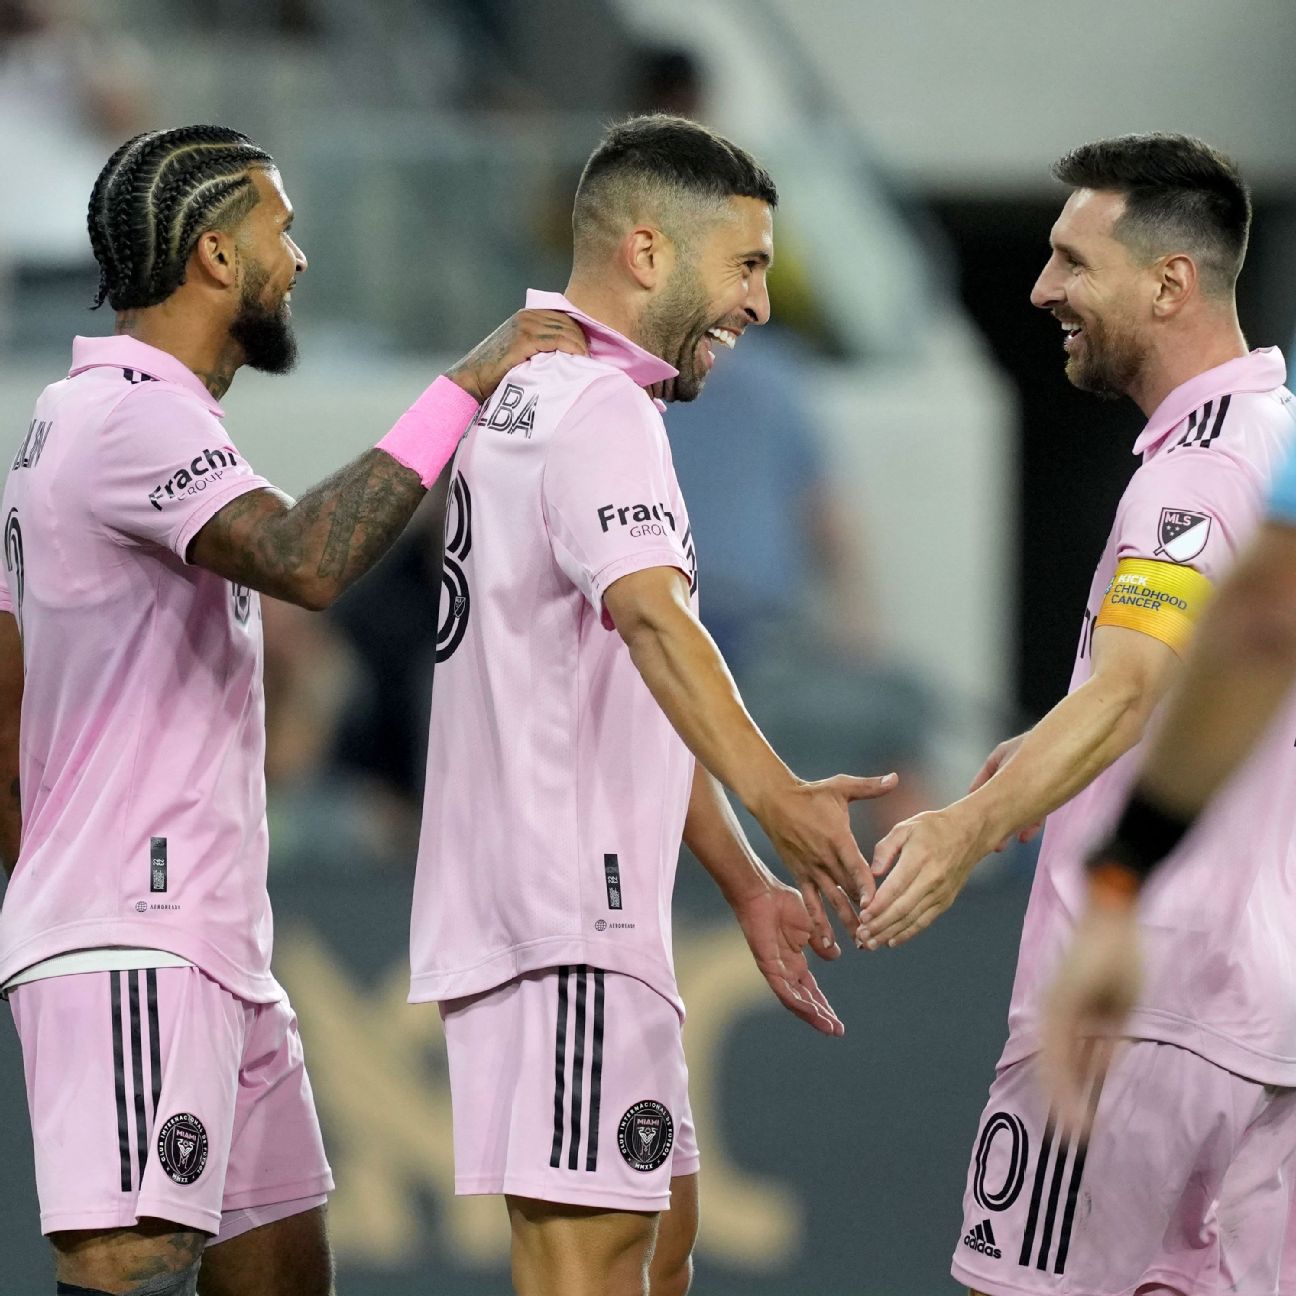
(130, 1214)
(279, 1194)
(1162, 1027)
(558, 951)
(251, 987)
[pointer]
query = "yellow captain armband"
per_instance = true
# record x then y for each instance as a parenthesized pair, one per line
(1161, 599)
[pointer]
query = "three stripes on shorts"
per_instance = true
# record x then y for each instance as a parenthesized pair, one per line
(576, 1111)
(128, 1066)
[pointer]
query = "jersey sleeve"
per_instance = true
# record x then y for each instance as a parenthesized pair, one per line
(1178, 530)
(609, 492)
(165, 468)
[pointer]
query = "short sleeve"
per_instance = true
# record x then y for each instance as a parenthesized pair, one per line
(164, 468)
(610, 498)
(1194, 510)
(1282, 497)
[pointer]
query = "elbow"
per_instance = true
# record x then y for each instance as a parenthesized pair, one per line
(312, 594)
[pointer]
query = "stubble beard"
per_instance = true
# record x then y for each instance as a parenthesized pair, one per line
(1110, 365)
(672, 328)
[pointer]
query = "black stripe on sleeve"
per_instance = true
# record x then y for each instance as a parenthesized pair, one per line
(155, 1044)
(596, 1073)
(578, 1066)
(119, 1072)
(137, 1073)
(560, 1068)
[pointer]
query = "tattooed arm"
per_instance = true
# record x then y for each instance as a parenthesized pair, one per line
(11, 692)
(310, 551)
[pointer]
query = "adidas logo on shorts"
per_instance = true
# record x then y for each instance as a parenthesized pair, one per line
(982, 1239)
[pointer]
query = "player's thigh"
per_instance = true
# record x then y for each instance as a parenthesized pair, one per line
(1133, 1207)
(670, 1273)
(119, 1260)
(565, 1250)
(285, 1257)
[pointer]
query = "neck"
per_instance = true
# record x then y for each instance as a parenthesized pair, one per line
(212, 354)
(1192, 352)
(606, 305)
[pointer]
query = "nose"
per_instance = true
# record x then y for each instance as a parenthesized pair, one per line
(1048, 291)
(300, 258)
(758, 302)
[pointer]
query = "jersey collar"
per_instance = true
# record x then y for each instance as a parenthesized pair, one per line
(125, 352)
(606, 344)
(1260, 371)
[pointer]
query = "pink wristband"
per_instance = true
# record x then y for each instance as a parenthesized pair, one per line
(425, 437)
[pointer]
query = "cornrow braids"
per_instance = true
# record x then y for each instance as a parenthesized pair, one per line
(155, 197)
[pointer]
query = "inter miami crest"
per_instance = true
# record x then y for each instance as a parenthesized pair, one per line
(182, 1147)
(1182, 535)
(646, 1135)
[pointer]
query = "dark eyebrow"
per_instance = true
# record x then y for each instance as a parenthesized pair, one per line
(760, 255)
(1068, 251)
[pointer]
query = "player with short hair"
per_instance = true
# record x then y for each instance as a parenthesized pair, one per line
(575, 686)
(1176, 1188)
(170, 1106)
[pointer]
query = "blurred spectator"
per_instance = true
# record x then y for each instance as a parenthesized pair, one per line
(69, 94)
(323, 816)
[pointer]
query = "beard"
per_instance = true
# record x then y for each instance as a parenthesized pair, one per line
(264, 333)
(1110, 364)
(672, 328)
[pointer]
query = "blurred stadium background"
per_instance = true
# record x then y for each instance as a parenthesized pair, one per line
(897, 497)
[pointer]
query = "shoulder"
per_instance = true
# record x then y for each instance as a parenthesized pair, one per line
(1237, 423)
(163, 407)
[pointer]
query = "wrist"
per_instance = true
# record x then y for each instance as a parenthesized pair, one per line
(425, 437)
(466, 379)
(1144, 835)
(1112, 886)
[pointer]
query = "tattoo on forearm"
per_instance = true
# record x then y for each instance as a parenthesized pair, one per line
(332, 535)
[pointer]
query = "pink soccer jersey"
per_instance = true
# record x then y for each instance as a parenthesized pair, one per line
(142, 734)
(1217, 924)
(556, 788)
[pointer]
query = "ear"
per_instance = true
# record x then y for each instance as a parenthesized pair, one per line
(647, 255)
(1176, 285)
(216, 259)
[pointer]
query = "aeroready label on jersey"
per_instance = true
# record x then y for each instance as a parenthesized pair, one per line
(1182, 534)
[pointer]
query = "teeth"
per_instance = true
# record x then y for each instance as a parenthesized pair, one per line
(727, 336)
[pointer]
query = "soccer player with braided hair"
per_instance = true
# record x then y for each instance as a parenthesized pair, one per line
(177, 1145)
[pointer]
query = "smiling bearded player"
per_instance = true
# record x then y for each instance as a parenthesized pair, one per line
(172, 1116)
(1183, 1186)
(574, 688)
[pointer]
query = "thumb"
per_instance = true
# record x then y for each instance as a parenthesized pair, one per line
(887, 851)
(863, 789)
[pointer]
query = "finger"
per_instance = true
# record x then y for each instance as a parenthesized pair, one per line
(810, 989)
(907, 867)
(854, 875)
(887, 851)
(909, 894)
(1029, 834)
(824, 938)
(922, 918)
(839, 901)
(863, 789)
(790, 997)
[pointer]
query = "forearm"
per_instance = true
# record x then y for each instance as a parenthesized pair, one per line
(1085, 733)
(1241, 668)
(687, 676)
(10, 815)
(312, 551)
(714, 835)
